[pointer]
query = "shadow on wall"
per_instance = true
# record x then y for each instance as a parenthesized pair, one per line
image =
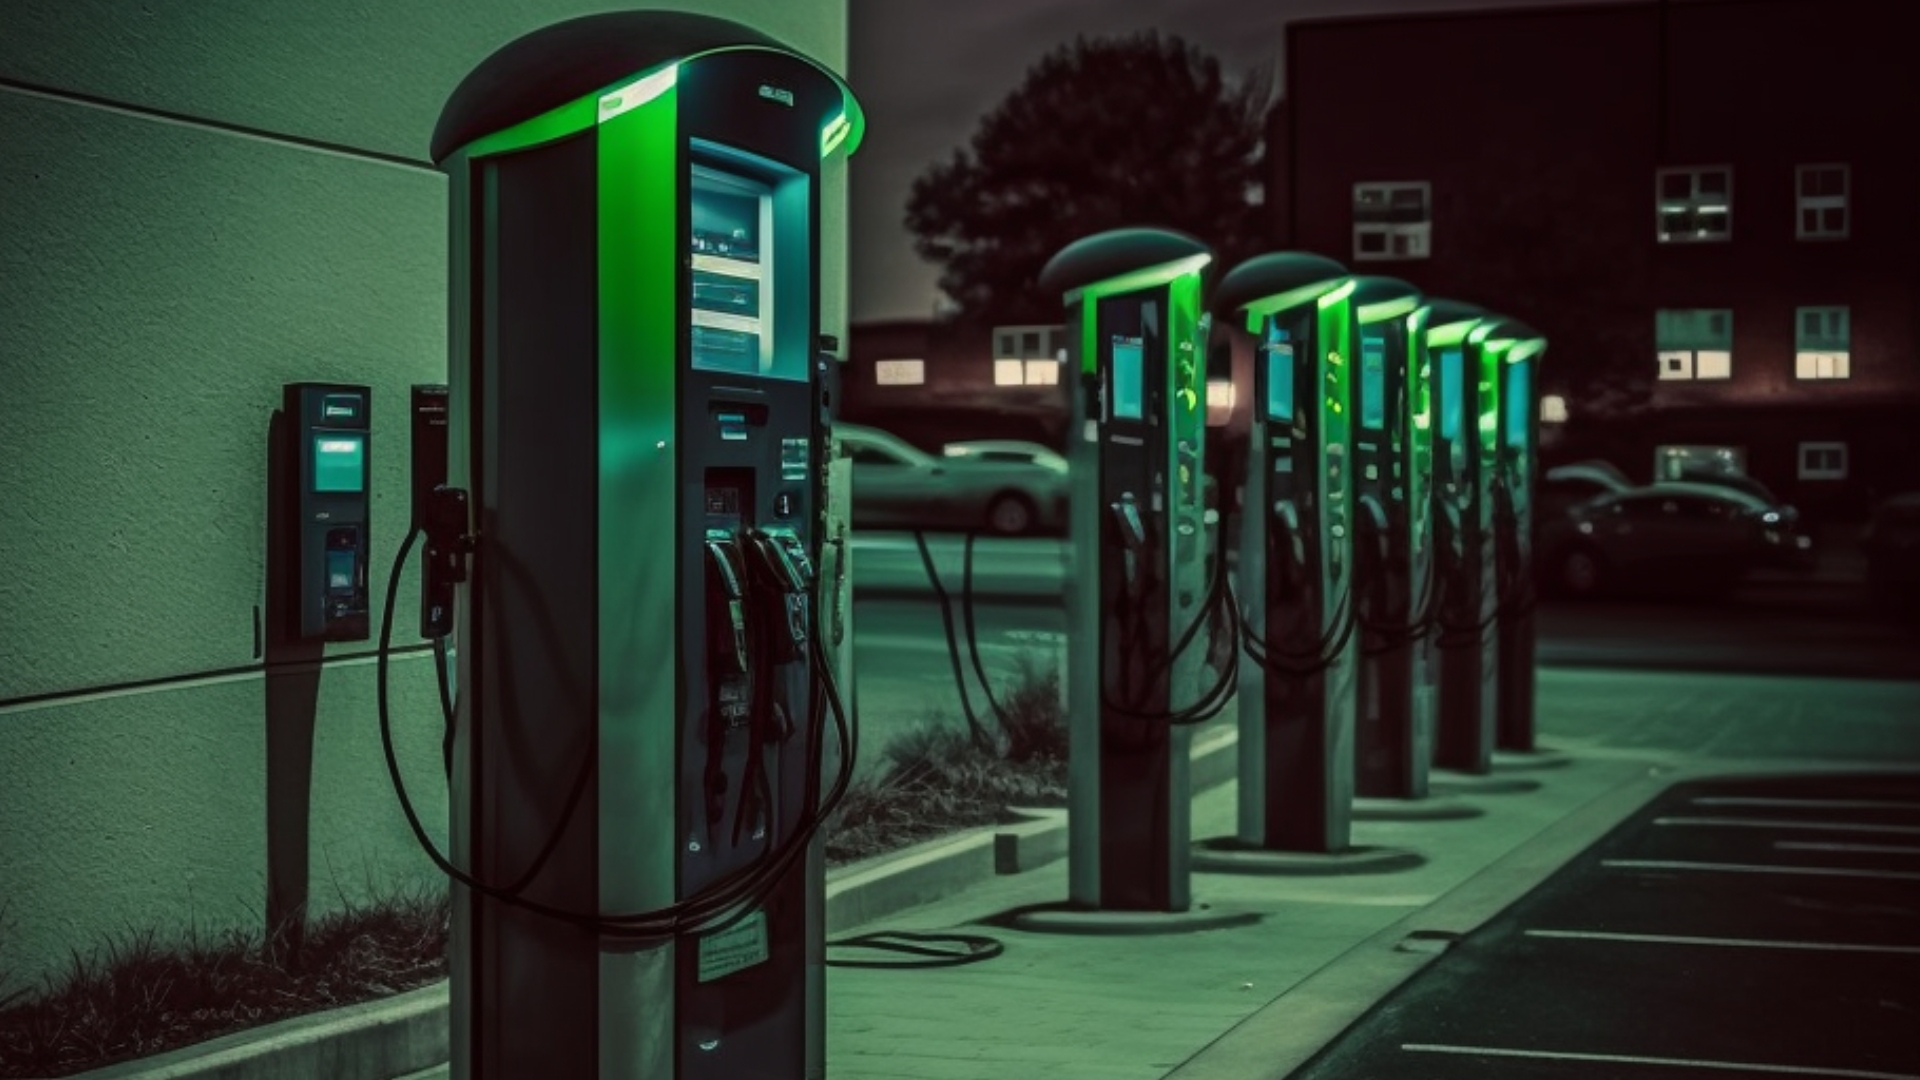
(292, 673)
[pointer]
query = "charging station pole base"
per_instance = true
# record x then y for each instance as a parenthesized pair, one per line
(1075, 919)
(1449, 782)
(1231, 855)
(1425, 808)
(1525, 760)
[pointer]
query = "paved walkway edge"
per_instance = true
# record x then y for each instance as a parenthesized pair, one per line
(1289, 1030)
(402, 1035)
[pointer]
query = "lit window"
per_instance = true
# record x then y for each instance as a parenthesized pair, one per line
(1693, 204)
(1392, 220)
(1694, 343)
(1553, 409)
(1823, 461)
(1820, 346)
(899, 372)
(1821, 203)
(1028, 355)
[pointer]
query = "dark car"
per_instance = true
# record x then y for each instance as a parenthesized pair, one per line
(1891, 543)
(896, 485)
(1672, 536)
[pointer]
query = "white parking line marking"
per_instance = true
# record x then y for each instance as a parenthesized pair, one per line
(1812, 804)
(1746, 868)
(1745, 943)
(1681, 1063)
(1860, 849)
(1767, 823)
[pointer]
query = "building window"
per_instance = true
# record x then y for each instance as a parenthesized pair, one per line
(1823, 461)
(1820, 345)
(1028, 355)
(1553, 409)
(899, 372)
(1694, 343)
(1821, 203)
(1694, 204)
(1392, 220)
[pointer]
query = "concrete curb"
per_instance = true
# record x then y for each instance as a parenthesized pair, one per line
(376, 1039)
(1004, 597)
(399, 1036)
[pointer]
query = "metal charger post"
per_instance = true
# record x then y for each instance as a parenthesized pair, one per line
(1296, 567)
(1137, 595)
(633, 515)
(1394, 573)
(1466, 412)
(1520, 350)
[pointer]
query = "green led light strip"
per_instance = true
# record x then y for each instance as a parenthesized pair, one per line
(1387, 309)
(1089, 296)
(845, 130)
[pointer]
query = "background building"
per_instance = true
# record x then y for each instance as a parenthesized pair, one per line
(199, 204)
(1708, 193)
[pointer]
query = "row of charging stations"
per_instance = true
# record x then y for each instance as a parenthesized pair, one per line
(623, 498)
(1378, 595)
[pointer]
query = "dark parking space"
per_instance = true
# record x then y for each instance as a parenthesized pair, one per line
(1731, 927)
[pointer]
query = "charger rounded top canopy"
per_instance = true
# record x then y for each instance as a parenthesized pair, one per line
(637, 422)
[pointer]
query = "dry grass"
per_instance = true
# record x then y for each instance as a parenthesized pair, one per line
(139, 995)
(938, 780)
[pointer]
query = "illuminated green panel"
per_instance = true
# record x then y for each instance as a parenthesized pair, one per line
(1451, 334)
(639, 233)
(1089, 297)
(1387, 309)
(1258, 310)
(1336, 388)
(1183, 326)
(1419, 399)
(1489, 354)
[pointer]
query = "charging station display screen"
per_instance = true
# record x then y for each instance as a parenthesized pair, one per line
(1373, 382)
(339, 463)
(1129, 381)
(732, 285)
(1518, 394)
(1453, 406)
(1278, 352)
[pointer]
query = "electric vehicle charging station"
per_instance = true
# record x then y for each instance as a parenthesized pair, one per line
(633, 512)
(1466, 419)
(1138, 595)
(1296, 567)
(1392, 465)
(1520, 350)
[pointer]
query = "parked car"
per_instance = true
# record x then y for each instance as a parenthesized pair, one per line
(898, 485)
(1790, 548)
(1675, 534)
(1567, 485)
(1006, 450)
(1891, 542)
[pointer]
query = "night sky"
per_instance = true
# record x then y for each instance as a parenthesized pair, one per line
(927, 70)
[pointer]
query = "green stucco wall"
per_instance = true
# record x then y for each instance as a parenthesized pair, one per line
(199, 203)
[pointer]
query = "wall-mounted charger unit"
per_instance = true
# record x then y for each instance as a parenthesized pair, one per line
(332, 432)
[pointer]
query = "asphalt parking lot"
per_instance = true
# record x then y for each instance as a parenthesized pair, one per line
(1739, 927)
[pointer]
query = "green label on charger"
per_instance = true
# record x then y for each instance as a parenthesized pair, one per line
(736, 948)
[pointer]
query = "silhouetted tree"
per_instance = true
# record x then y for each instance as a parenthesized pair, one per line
(1102, 134)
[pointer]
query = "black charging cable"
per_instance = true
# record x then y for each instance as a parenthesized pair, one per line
(975, 729)
(1133, 616)
(732, 898)
(963, 949)
(1312, 659)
